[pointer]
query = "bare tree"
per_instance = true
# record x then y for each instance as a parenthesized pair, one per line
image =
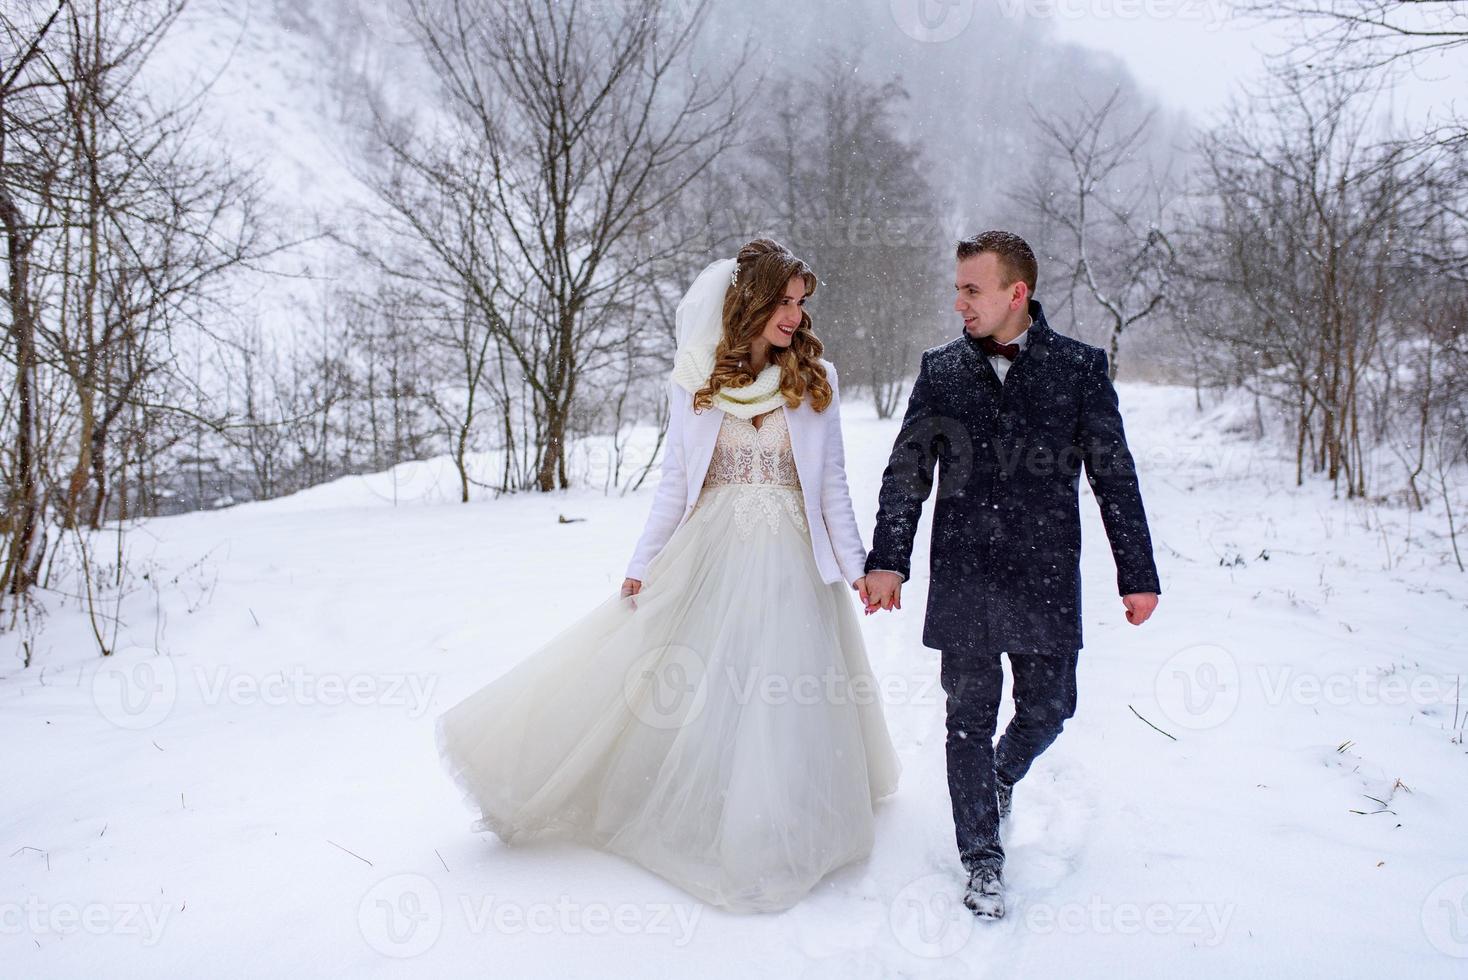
(460, 334)
(850, 193)
(1300, 235)
(27, 120)
(116, 229)
(393, 376)
(1109, 209)
(1376, 38)
(573, 126)
(1365, 35)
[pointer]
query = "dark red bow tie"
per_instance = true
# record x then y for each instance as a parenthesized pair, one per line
(992, 348)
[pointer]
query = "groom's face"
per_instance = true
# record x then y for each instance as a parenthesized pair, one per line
(984, 300)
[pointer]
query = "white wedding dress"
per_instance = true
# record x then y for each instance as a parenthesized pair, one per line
(722, 728)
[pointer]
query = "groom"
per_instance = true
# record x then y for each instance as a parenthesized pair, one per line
(1010, 412)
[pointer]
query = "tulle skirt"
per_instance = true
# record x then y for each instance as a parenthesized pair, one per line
(722, 728)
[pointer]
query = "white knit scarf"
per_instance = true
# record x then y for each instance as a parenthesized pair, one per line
(692, 368)
(700, 326)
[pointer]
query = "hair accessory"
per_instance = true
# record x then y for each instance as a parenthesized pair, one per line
(699, 320)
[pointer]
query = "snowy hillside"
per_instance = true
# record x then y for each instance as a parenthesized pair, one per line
(249, 787)
(281, 90)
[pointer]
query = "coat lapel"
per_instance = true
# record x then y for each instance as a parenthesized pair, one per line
(1037, 348)
(977, 365)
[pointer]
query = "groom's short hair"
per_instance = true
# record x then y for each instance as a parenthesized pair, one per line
(1016, 258)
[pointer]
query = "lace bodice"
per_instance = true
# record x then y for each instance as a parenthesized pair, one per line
(757, 466)
(744, 453)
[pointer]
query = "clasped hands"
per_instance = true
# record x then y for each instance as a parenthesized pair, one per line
(883, 590)
(879, 590)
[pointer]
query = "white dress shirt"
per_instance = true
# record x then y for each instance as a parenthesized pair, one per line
(1000, 362)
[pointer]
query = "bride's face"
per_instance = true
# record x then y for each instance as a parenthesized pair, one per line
(780, 328)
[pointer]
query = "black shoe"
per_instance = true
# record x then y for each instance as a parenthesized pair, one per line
(1003, 791)
(984, 896)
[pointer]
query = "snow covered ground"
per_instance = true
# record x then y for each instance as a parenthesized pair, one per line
(249, 786)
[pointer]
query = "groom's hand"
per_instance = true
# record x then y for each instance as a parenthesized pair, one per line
(884, 591)
(1139, 606)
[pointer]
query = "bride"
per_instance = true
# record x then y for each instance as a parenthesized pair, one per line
(716, 721)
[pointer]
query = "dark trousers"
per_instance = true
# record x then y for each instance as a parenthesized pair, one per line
(1044, 697)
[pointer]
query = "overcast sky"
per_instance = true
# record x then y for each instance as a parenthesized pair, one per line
(1192, 54)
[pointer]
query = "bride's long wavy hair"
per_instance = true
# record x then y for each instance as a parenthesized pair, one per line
(765, 269)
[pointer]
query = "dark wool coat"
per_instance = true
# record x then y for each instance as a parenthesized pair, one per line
(1004, 562)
